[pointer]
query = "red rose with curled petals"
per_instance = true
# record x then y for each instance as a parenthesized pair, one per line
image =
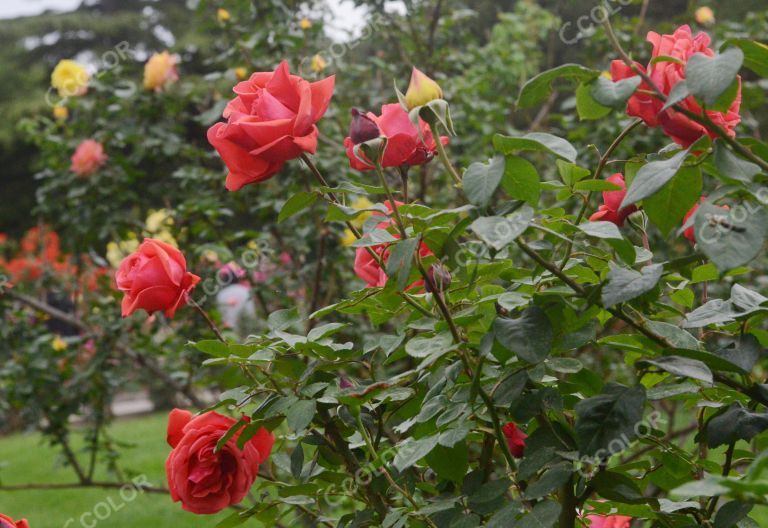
(609, 211)
(368, 268)
(154, 278)
(681, 45)
(271, 121)
(515, 439)
(203, 479)
(7, 522)
(404, 144)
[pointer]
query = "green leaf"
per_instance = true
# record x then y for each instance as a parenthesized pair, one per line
(500, 231)
(732, 166)
(605, 423)
(601, 229)
(530, 336)
(539, 87)
(295, 204)
(678, 92)
(400, 262)
(571, 173)
(708, 77)
(297, 461)
(543, 515)
(596, 186)
(538, 141)
(626, 284)
(730, 238)
(653, 176)
(755, 55)
(481, 180)
(550, 480)
(421, 347)
(618, 487)
(614, 94)
(735, 423)
(682, 366)
(731, 513)
(586, 105)
(300, 414)
(668, 206)
(235, 519)
(744, 354)
(521, 180)
(213, 347)
(412, 451)
(450, 463)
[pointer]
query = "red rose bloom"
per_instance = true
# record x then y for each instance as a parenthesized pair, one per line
(154, 278)
(515, 439)
(404, 145)
(7, 522)
(271, 121)
(609, 521)
(368, 269)
(609, 211)
(205, 480)
(89, 157)
(681, 45)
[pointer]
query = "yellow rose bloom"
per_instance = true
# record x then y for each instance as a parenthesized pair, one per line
(223, 15)
(70, 78)
(318, 63)
(361, 203)
(60, 112)
(160, 71)
(348, 239)
(305, 23)
(705, 16)
(241, 73)
(58, 344)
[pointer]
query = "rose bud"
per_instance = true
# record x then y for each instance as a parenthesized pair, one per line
(421, 90)
(206, 479)
(440, 277)
(362, 128)
(345, 383)
(7, 522)
(704, 16)
(515, 439)
(223, 15)
(155, 278)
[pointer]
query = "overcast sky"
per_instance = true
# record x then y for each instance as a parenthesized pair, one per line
(346, 16)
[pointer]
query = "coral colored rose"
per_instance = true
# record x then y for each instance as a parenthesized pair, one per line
(160, 71)
(609, 521)
(7, 522)
(154, 278)
(609, 211)
(89, 157)
(205, 480)
(367, 267)
(515, 439)
(404, 145)
(681, 45)
(271, 121)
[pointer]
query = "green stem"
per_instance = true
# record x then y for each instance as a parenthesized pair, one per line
(443, 155)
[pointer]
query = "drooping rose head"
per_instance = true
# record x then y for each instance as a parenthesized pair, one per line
(7, 522)
(515, 439)
(609, 521)
(680, 46)
(368, 268)
(203, 479)
(70, 78)
(271, 121)
(155, 278)
(160, 71)
(89, 157)
(405, 147)
(421, 90)
(609, 211)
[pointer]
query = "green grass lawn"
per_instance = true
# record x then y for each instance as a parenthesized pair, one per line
(25, 458)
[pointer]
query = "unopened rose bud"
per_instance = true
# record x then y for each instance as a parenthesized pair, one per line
(705, 16)
(344, 383)
(241, 73)
(318, 63)
(421, 90)
(223, 15)
(305, 23)
(440, 277)
(362, 128)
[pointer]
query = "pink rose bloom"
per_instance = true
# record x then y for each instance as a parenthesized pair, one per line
(89, 156)
(404, 145)
(609, 521)
(609, 211)
(681, 45)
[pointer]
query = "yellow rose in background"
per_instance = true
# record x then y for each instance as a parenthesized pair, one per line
(705, 16)
(223, 15)
(160, 71)
(361, 203)
(58, 344)
(158, 224)
(318, 63)
(117, 251)
(70, 78)
(241, 73)
(305, 23)
(60, 113)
